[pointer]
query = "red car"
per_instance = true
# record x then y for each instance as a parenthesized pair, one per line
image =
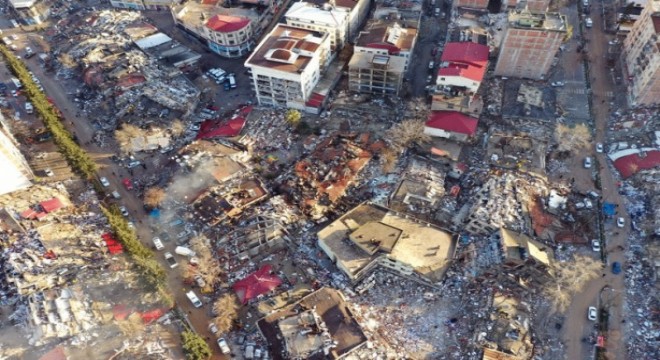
(127, 184)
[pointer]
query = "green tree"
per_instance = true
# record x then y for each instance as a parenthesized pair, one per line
(293, 117)
(194, 346)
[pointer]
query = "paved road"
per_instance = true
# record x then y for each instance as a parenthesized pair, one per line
(82, 127)
(577, 324)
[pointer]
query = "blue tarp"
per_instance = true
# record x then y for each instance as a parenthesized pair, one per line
(609, 209)
(155, 213)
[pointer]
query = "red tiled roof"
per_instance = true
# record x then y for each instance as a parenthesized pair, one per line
(255, 284)
(629, 165)
(227, 128)
(465, 59)
(452, 121)
(51, 205)
(227, 23)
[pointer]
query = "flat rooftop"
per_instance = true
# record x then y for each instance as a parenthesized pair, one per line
(425, 248)
(385, 32)
(297, 330)
(368, 61)
(522, 19)
(195, 14)
(287, 49)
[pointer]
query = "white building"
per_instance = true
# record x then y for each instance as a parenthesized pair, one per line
(287, 65)
(128, 4)
(384, 37)
(357, 11)
(31, 11)
(16, 173)
(325, 18)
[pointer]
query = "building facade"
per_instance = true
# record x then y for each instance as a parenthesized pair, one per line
(376, 74)
(228, 32)
(326, 19)
(383, 37)
(530, 44)
(287, 64)
(16, 173)
(31, 11)
(642, 57)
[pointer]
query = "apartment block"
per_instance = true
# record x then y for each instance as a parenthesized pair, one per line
(325, 19)
(387, 38)
(530, 44)
(642, 57)
(16, 173)
(376, 74)
(356, 11)
(287, 65)
(31, 11)
(229, 32)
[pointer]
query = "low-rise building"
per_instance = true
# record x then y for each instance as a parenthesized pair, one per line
(370, 237)
(319, 326)
(384, 37)
(451, 125)
(287, 65)
(463, 67)
(31, 11)
(376, 74)
(324, 18)
(229, 32)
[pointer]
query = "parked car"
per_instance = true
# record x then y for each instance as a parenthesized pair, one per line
(616, 268)
(115, 194)
(592, 314)
(599, 148)
(213, 329)
(620, 222)
(123, 211)
(194, 127)
(158, 244)
(557, 84)
(588, 162)
(595, 245)
(588, 22)
(222, 344)
(133, 164)
(200, 281)
(164, 236)
(171, 261)
(127, 184)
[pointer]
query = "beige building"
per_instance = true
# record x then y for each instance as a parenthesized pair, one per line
(31, 11)
(372, 236)
(16, 173)
(530, 44)
(384, 37)
(376, 74)
(642, 57)
(326, 19)
(356, 10)
(287, 65)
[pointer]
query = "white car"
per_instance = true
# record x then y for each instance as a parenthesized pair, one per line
(557, 84)
(171, 261)
(104, 182)
(620, 222)
(595, 245)
(49, 172)
(158, 244)
(592, 314)
(587, 162)
(222, 344)
(588, 22)
(599, 148)
(194, 127)
(123, 211)
(213, 329)
(115, 194)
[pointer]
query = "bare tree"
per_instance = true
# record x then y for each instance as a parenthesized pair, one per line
(225, 310)
(126, 135)
(407, 133)
(132, 326)
(208, 266)
(154, 196)
(388, 160)
(572, 139)
(177, 128)
(570, 278)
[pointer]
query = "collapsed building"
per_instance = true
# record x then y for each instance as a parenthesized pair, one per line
(228, 200)
(517, 151)
(508, 335)
(420, 191)
(371, 237)
(254, 237)
(319, 326)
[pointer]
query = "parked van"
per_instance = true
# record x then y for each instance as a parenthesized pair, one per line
(184, 251)
(232, 81)
(194, 299)
(17, 83)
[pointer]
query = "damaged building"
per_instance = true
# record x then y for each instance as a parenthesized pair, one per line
(509, 335)
(254, 237)
(371, 237)
(228, 200)
(420, 190)
(517, 152)
(319, 326)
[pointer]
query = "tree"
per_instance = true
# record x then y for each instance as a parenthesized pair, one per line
(132, 326)
(208, 266)
(154, 196)
(570, 278)
(407, 133)
(293, 117)
(126, 135)
(177, 128)
(194, 346)
(226, 311)
(572, 139)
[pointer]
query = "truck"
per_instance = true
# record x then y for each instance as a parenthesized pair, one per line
(194, 299)
(184, 251)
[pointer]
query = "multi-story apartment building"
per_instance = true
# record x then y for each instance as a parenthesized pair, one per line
(31, 11)
(530, 44)
(326, 19)
(387, 38)
(357, 11)
(642, 57)
(376, 74)
(287, 65)
(229, 32)
(16, 173)
(128, 4)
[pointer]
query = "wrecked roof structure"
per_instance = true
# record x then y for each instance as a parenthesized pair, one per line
(518, 151)
(228, 200)
(319, 326)
(254, 237)
(509, 329)
(370, 236)
(420, 190)
(528, 102)
(256, 284)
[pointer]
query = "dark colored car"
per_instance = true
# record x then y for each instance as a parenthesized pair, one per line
(165, 237)
(616, 268)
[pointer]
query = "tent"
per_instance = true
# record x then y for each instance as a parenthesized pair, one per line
(255, 284)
